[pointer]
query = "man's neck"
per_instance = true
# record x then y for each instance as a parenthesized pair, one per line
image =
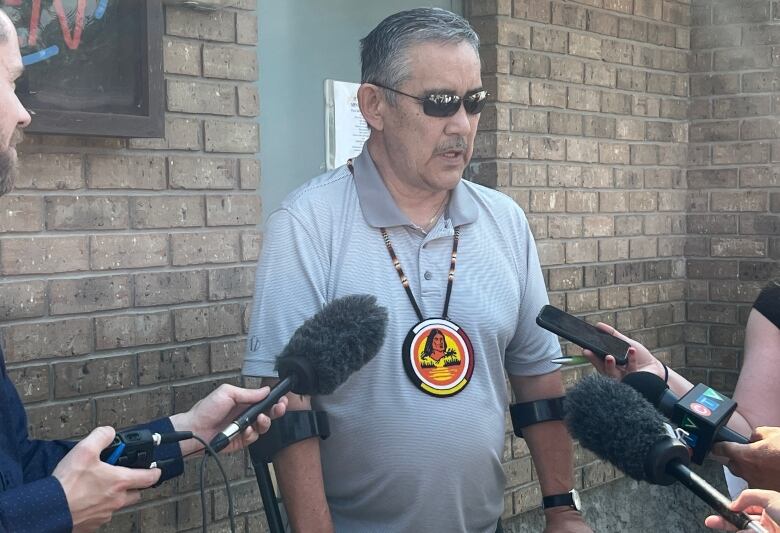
(423, 206)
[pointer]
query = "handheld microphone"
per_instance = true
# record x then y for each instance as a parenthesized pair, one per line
(617, 424)
(322, 353)
(702, 412)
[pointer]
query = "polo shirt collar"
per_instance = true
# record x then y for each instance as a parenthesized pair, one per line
(379, 207)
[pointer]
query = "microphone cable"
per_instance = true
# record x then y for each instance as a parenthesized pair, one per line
(177, 436)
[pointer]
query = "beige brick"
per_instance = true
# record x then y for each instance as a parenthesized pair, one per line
(548, 201)
(565, 123)
(645, 106)
(566, 69)
(246, 28)
(209, 25)
(87, 295)
(583, 99)
(49, 171)
(234, 137)
(180, 134)
(630, 129)
(167, 211)
(536, 10)
(617, 103)
(233, 210)
(603, 23)
(168, 288)
(63, 338)
(642, 247)
(128, 251)
(205, 248)
(617, 52)
(614, 153)
(738, 247)
(613, 201)
(528, 121)
(598, 226)
(512, 146)
(202, 173)
(581, 251)
(739, 201)
(581, 202)
(530, 65)
(210, 321)
(547, 148)
(230, 62)
(548, 95)
(549, 40)
(564, 227)
(43, 255)
(86, 213)
(569, 15)
(22, 300)
(601, 75)
(613, 249)
(194, 97)
(563, 176)
(181, 57)
(125, 172)
(20, 214)
(582, 150)
(584, 46)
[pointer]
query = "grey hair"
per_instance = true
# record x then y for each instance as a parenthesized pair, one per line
(3, 30)
(383, 51)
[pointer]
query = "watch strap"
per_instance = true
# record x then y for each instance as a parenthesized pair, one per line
(559, 500)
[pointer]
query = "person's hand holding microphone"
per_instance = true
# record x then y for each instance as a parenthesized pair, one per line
(760, 503)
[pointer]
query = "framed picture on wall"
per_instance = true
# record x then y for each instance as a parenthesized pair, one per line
(92, 67)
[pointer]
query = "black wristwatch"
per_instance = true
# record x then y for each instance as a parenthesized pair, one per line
(570, 499)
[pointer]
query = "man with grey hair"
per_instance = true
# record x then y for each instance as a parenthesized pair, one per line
(15, 116)
(417, 435)
(58, 486)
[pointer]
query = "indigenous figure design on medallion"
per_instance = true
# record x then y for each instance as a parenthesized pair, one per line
(438, 357)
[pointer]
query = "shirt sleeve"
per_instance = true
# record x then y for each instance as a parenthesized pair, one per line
(167, 456)
(532, 348)
(39, 504)
(290, 287)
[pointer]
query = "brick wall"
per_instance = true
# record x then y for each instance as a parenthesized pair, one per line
(733, 216)
(127, 264)
(589, 135)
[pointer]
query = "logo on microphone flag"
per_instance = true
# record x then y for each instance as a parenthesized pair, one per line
(438, 357)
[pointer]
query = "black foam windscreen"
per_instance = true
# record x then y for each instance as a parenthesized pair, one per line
(648, 385)
(615, 422)
(342, 337)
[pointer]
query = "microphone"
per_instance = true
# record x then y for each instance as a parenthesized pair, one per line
(702, 412)
(321, 354)
(616, 423)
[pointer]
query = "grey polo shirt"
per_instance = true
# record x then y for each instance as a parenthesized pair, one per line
(398, 459)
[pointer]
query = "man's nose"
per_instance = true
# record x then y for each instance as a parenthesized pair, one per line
(459, 123)
(24, 116)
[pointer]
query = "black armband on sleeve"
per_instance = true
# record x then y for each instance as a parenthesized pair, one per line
(529, 413)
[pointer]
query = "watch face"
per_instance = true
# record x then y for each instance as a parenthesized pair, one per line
(575, 497)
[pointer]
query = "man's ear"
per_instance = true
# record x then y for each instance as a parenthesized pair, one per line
(372, 105)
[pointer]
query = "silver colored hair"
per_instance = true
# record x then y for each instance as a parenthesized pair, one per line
(3, 29)
(383, 52)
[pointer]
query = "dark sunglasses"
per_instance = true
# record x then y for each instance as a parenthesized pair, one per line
(447, 104)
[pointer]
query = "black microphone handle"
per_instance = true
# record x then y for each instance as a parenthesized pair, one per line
(281, 388)
(711, 496)
(726, 434)
(221, 440)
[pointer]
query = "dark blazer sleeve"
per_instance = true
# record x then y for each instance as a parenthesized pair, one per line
(32, 499)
